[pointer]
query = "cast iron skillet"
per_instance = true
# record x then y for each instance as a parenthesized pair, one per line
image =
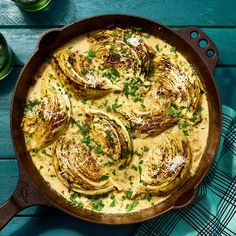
(32, 189)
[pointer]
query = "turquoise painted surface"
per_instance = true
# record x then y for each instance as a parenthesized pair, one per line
(22, 31)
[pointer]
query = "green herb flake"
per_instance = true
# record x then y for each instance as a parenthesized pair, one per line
(186, 132)
(98, 149)
(114, 202)
(170, 111)
(145, 149)
(31, 104)
(126, 37)
(193, 119)
(129, 207)
(90, 55)
(140, 162)
(134, 167)
(198, 111)
(97, 205)
(128, 193)
(109, 164)
(104, 177)
(109, 109)
(140, 170)
(86, 140)
(41, 115)
(184, 125)
(84, 129)
(147, 196)
(73, 197)
(45, 153)
(173, 49)
(72, 121)
(158, 48)
(84, 71)
(36, 151)
(115, 106)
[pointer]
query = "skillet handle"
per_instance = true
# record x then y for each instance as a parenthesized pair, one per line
(25, 195)
(185, 199)
(197, 38)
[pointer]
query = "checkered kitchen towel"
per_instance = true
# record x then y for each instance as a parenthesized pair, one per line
(213, 212)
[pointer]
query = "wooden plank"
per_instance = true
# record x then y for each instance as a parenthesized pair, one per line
(170, 12)
(23, 43)
(225, 79)
(61, 226)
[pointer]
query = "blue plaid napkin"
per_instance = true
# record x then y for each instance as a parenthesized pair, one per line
(213, 212)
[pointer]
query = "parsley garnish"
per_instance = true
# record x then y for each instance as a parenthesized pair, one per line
(134, 167)
(173, 49)
(128, 193)
(45, 153)
(104, 177)
(114, 202)
(126, 36)
(97, 205)
(84, 129)
(98, 149)
(145, 149)
(84, 72)
(31, 104)
(115, 106)
(147, 196)
(132, 205)
(90, 55)
(158, 48)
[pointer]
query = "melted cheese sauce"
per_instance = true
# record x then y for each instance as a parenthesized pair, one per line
(197, 138)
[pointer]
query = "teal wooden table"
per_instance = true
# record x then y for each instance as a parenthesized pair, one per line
(22, 30)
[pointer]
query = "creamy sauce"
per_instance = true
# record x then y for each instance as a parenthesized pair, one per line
(197, 136)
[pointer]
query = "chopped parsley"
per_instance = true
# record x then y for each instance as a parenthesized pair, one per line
(129, 207)
(170, 111)
(87, 141)
(90, 55)
(198, 111)
(109, 109)
(184, 125)
(140, 170)
(75, 202)
(145, 149)
(173, 49)
(45, 153)
(104, 177)
(134, 167)
(72, 121)
(84, 71)
(129, 128)
(193, 119)
(97, 204)
(31, 104)
(158, 48)
(98, 149)
(147, 196)
(114, 202)
(41, 115)
(128, 193)
(126, 37)
(84, 129)
(115, 106)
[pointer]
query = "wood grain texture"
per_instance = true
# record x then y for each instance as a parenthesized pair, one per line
(170, 12)
(23, 43)
(61, 226)
(225, 78)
